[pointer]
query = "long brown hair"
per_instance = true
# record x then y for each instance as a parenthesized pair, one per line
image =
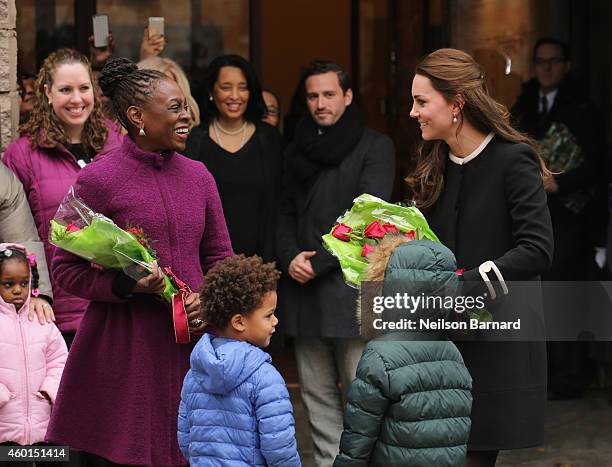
(43, 117)
(455, 73)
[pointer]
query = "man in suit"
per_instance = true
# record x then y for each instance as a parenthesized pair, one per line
(332, 159)
(553, 108)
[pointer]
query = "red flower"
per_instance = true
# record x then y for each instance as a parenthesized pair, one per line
(139, 235)
(72, 227)
(135, 231)
(341, 232)
(375, 230)
(367, 249)
(390, 228)
(460, 271)
(410, 234)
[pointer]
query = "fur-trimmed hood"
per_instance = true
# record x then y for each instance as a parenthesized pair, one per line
(404, 266)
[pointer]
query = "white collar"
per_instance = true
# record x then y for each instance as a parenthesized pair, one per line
(550, 94)
(475, 152)
(550, 98)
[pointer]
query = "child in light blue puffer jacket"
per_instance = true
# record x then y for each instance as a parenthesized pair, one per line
(235, 409)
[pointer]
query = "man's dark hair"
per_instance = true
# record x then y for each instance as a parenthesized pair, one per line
(256, 106)
(236, 285)
(320, 67)
(554, 41)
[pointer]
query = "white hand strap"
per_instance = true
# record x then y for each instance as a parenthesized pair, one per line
(485, 268)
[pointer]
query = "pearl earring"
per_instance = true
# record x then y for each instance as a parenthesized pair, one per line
(210, 98)
(454, 119)
(142, 132)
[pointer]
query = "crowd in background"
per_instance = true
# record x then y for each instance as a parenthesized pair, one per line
(256, 183)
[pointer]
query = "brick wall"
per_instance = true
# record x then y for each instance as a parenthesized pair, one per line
(9, 109)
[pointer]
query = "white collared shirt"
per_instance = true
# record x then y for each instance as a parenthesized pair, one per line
(475, 152)
(550, 99)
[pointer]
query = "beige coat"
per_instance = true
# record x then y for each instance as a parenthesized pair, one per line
(17, 224)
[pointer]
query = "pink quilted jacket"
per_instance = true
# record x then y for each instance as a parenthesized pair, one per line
(32, 358)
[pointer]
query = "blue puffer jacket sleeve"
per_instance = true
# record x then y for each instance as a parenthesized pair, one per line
(183, 425)
(274, 414)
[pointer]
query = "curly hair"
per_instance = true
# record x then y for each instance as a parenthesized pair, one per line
(236, 285)
(19, 255)
(95, 131)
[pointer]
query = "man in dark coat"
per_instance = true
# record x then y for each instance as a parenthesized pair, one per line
(333, 159)
(553, 109)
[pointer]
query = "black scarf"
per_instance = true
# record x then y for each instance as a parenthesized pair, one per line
(317, 148)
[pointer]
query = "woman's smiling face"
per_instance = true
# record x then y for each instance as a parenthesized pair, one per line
(71, 96)
(433, 112)
(231, 93)
(166, 118)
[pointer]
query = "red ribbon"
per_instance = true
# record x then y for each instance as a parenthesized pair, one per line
(179, 315)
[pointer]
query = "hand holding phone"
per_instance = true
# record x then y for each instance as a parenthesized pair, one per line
(153, 40)
(156, 26)
(100, 30)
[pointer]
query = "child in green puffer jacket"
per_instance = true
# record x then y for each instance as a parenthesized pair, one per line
(410, 403)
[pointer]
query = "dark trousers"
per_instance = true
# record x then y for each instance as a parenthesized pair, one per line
(569, 368)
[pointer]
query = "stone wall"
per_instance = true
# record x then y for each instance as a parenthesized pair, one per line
(9, 108)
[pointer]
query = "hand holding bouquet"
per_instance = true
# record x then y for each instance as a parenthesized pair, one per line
(357, 232)
(96, 238)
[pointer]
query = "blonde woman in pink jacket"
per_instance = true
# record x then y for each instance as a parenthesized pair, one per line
(32, 356)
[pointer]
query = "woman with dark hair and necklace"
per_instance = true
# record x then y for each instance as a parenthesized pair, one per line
(242, 153)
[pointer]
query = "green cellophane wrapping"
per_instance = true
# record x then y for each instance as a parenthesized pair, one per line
(104, 243)
(367, 209)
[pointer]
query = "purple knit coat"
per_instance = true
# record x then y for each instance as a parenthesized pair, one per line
(120, 390)
(46, 175)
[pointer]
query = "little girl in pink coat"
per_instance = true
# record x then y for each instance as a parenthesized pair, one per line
(32, 355)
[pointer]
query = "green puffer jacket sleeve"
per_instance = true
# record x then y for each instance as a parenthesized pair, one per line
(409, 406)
(365, 410)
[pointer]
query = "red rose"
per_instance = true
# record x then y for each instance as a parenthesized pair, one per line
(367, 249)
(410, 234)
(460, 271)
(341, 232)
(375, 230)
(135, 231)
(72, 227)
(390, 228)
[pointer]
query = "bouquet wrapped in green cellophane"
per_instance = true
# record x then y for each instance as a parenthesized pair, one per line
(96, 238)
(357, 232)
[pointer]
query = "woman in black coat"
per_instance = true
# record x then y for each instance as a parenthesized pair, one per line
(243, 154)
(479, 182)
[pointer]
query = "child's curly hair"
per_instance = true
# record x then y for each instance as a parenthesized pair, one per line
(236, 285)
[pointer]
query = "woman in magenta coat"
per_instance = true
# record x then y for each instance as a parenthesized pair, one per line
(119, 396)
(65, 131)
